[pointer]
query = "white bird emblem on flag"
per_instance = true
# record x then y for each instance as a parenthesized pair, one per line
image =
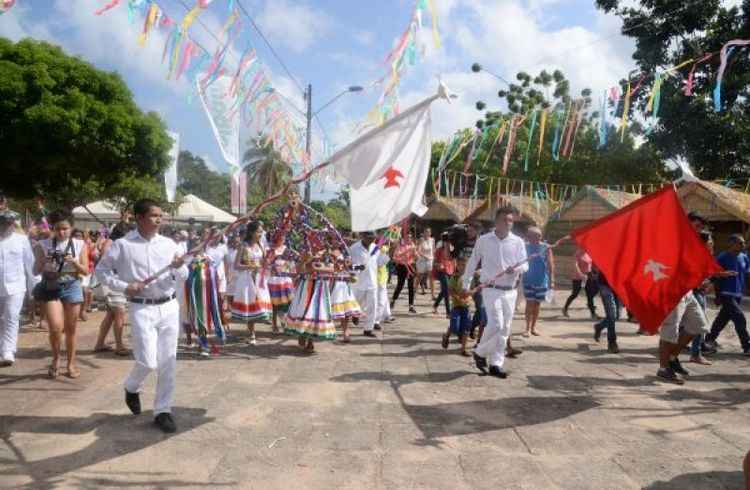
(656, 269)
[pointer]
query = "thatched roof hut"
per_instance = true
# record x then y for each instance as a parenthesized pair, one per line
(530, 211)
(588, 205)
(445, 210)
(728, 210)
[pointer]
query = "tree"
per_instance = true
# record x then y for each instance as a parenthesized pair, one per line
(69, 131)
(194, 177)
(667, 33)
(620, 161)
(266, 169)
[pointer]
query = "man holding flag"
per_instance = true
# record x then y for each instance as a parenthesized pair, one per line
(653, 259)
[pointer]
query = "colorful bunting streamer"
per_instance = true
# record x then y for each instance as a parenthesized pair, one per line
(531, 137)
(726, 51)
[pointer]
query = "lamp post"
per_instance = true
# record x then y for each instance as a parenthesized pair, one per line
(310, 114)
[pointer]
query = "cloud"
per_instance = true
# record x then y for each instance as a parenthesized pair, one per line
(365, 38)
(295, 25)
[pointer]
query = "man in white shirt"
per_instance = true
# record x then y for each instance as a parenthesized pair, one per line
(154, 314)
(16, 276)
(365, 259)
(503, 258)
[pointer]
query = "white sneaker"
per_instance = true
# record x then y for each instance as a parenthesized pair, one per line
(204, 353)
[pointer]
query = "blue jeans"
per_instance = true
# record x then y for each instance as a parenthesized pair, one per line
(730, 310)
(443, 296)
(480, 314)
(611, 313)
(695, 346)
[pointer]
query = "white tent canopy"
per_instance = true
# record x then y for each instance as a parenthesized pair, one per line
(198, 209)
(190, 207)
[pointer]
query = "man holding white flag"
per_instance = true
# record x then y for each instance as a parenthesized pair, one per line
(387, 168)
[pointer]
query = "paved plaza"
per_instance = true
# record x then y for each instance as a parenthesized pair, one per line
(395, 412)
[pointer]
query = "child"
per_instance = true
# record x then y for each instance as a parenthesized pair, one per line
(460, 320)
(343, 303)
(280, 284)
(251, 301)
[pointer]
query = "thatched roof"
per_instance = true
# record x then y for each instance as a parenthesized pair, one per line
(530, 210)
(455, 209)
(715, 201)
(607, 200)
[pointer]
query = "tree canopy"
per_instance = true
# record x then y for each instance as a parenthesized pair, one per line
(667, 33)
(619, 161)
(69, 131)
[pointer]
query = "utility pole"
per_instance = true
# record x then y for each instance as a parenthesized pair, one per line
(307, 143)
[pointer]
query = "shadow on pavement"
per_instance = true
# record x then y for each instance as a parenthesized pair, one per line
(116, 435)
(708, 479)
(398, 380)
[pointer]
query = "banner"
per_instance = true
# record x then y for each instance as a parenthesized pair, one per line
(224, 122)
(170, 175)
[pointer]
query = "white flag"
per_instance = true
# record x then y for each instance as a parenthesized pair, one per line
(170, 175)
(225, 121)
(380, 155)
(387, 168)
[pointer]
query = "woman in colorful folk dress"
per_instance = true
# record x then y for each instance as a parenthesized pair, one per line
(310, 316)
(251, 301)
(280, 283)
(344, 305)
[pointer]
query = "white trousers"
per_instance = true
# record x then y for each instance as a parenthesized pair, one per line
(10, 313)
(154, 329)
(368, 304)
(500, 306)
(384, 305)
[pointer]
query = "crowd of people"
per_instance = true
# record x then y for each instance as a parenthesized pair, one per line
(317, 294)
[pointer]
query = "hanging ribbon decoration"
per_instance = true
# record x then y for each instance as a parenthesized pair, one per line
(556, 140)
(603, 126)
(109, 6)
(625, 111)
(688, 90)
(542, 127)
(515, 123)
(726, 51)
(148, 24)
(498, 139)
(531, 137)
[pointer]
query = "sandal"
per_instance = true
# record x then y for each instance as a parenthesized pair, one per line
(104, 348)
(73, 373)
(535, 333)
(526, 335)
(122, 352)
(446, 341)
(700, 360)
(53, 372)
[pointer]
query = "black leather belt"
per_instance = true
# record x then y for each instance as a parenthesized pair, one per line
(152, 301)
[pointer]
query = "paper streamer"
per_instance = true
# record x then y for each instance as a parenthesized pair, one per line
(603, 126)
(625, 110)
(542, 127)
(148, 24)
(688, 90)
(726, 51)
(109, 6)
(556, 139)
(531, 136)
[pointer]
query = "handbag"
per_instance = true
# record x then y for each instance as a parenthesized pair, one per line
(50, 287)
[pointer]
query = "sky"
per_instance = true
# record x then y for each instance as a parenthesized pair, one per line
(333, 44)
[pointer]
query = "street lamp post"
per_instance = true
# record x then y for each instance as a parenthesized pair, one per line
(310, 114)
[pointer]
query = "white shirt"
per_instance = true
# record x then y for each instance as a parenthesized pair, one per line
(367, 278)
(218, 254)
(496, 255)
(426, 249)
(133, 258)
(16, 264)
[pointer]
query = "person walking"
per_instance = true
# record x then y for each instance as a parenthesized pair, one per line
(383, 302)
(503, 258)
(252, 299)
(154, 312)
(16, 277)
(405, 256)
(581, 276)
(611, 314)
(425, 260)
(538, 279)
(445, 267)
(730, 292)
(365, 258)
(116, 306)
(61, 260)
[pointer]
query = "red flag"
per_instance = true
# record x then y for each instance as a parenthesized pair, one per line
(649, 254)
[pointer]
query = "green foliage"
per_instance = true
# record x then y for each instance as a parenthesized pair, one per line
(668, 32)
(70, 132)
(265, 167)
(194, 177)
(619, 162)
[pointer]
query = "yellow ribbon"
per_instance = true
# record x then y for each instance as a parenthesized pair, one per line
(625, 110)
(153, 11)
(542, 125)
(435, 32)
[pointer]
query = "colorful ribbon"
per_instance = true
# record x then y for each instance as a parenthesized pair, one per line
(531, 136)
(726, 51)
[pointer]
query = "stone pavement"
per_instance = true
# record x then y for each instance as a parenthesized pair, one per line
(392, 413)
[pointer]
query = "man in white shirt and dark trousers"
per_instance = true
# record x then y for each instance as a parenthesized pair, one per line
(365, 259)
(503, 258)
(153, 310)
(16, 277)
